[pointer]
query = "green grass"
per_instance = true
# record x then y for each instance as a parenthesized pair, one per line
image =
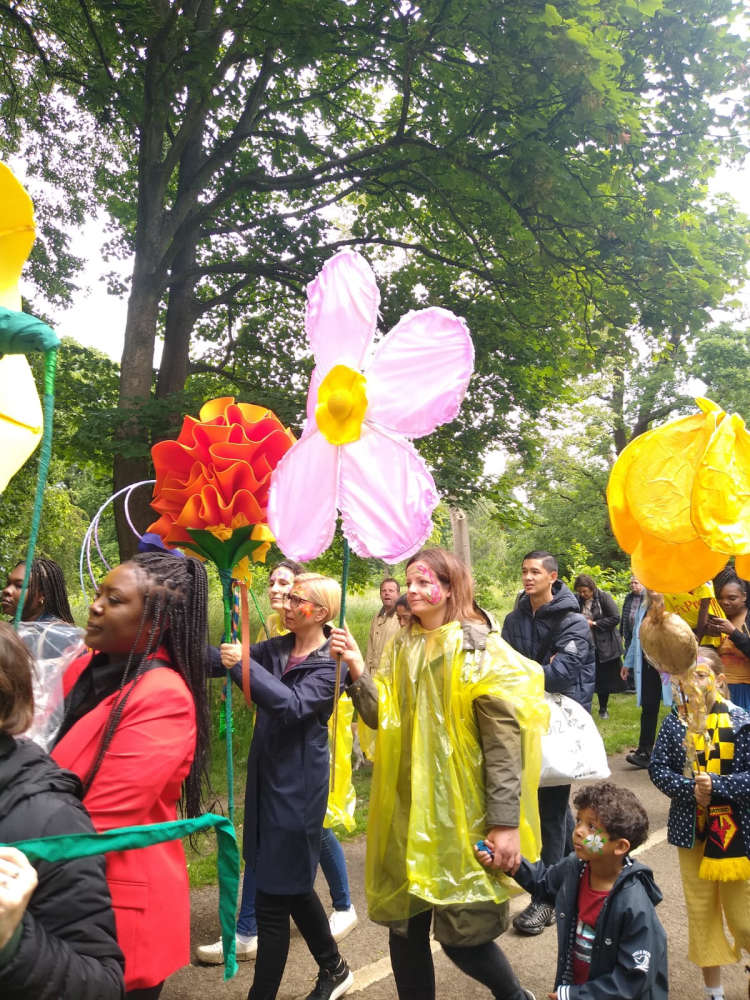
(620, 731)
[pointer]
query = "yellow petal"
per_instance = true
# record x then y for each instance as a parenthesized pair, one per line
(720, 506)
(659, 481)
(20, 415)
(624, 526)
(671, 567)
(17, 233)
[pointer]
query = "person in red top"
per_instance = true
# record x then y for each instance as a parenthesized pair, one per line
(135, 730)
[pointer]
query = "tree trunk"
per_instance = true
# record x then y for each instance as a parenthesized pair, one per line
(136, 376)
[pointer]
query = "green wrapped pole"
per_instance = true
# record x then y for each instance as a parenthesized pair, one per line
(225, 576)
(68, 847)
(337, 687)
(45, 456)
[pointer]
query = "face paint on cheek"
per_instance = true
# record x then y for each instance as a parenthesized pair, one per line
(435, 592)
(306, 610)
(595, 842)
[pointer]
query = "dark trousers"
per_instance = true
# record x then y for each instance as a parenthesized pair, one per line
(414, 971)
(152, 993)
(651, 688)
(273, 914)
(556, 821)
(608, 680)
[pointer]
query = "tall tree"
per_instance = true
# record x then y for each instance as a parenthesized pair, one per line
(537, 166)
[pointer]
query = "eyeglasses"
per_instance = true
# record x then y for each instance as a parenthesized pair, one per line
(294, 601)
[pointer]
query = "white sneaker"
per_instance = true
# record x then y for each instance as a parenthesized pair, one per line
(213, 954)
(342, 922)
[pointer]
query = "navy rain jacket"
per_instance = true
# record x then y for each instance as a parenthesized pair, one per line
(629, 954)
(287, 770)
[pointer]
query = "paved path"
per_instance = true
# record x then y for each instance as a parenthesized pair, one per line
(366, 949)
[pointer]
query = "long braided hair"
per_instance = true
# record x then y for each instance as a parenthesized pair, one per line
(175, 602)
(46, 581)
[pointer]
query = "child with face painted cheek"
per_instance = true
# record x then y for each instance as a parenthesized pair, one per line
(611, 942)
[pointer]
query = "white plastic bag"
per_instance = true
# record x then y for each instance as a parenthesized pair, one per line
(572, 748)
(54, 645)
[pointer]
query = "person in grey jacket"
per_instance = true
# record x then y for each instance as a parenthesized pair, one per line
(610, 942)
(603, 616)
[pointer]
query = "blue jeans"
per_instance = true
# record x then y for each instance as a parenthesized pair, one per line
(332, 862)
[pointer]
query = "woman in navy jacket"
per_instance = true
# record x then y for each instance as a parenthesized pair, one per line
(292, 682)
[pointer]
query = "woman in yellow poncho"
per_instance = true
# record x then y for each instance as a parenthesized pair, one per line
(459, 718)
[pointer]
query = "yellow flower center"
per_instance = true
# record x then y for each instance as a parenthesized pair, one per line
(341, 405)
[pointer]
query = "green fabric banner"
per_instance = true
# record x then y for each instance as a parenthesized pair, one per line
(21, 333)
(83, 845)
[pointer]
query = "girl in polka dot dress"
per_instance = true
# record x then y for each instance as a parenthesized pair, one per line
(709, 823)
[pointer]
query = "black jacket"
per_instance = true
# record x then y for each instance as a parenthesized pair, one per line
(606, 618)
(558, 630)
(68, 949)
(629, 954)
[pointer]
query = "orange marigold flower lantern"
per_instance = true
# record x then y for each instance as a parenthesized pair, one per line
(211, 491)
(212, 483)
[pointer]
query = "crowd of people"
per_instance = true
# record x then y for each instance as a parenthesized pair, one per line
(451, 711)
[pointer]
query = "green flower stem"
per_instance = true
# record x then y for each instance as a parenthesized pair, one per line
(225, 575)
(342, 619)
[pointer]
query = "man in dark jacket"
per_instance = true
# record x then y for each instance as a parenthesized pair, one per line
(547, 626)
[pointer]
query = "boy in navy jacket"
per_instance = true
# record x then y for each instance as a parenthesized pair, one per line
(610, 941)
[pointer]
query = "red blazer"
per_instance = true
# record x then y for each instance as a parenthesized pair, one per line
(139, 782)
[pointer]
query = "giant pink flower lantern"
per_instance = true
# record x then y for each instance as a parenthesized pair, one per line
(364, 404)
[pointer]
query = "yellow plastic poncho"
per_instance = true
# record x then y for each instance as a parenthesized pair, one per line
(342, 798)
(427, 801)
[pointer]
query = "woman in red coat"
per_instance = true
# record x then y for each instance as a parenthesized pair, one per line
(135, 731)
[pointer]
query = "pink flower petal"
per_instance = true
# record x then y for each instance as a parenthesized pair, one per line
(342, 310)
(419, 372)
(312, 394)
(302, 500)
(386, 496)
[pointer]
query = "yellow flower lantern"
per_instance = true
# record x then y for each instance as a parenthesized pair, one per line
(679, 499)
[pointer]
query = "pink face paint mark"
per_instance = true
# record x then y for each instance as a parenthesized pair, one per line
(435, 593)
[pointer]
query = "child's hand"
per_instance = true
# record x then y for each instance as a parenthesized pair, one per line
(703, 789)
(344, 644)
(552, 996)
(231, 654)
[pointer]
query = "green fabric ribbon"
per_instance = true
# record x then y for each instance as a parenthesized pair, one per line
(84, 845)
(21, 333)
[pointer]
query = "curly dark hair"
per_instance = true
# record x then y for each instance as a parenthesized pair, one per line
(618, 810)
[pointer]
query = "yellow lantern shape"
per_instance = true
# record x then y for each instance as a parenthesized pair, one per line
(679, 499)
(20, 409)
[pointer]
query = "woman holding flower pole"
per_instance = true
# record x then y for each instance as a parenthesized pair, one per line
(292, 682)
(459, 717)
(343, 920)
